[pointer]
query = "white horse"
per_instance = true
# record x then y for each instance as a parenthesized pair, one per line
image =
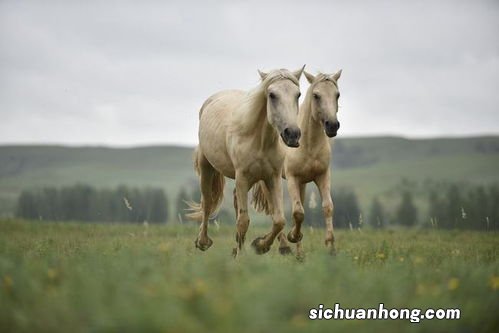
(239, 138)
(310, 162)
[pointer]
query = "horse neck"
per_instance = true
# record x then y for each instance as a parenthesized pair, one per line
(313, 135)
(252, 122)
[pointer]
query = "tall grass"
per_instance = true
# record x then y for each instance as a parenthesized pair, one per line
(67, 277)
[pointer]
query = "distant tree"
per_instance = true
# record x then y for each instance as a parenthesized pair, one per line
(377, 214)
(26, 206)
(158, 207)
(435, 208)
(407, 213)
(453, 208)
(346, 209)
(313, 209)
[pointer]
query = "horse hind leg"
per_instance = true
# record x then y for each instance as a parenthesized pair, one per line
(207, 173)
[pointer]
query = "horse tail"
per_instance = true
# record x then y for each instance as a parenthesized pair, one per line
(217, 192)
(260, 198)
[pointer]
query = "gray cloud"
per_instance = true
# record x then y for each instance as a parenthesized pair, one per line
(126, 73)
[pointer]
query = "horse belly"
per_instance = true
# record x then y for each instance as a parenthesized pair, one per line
(213, 126)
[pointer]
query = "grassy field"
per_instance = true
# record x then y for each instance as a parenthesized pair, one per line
(128, 278)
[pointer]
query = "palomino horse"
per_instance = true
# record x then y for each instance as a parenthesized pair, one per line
(309, 162)
(239, 138)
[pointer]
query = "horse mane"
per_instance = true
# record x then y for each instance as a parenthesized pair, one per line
(255, 100)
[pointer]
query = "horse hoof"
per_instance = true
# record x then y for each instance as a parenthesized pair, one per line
(203, 245)
(259, 245)
(285, 250)
(234, 252)
(293, 239)
(331, 248)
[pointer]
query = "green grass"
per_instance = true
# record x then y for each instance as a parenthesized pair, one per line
(70, 277)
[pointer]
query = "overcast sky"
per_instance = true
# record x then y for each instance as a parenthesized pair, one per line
(131, 74)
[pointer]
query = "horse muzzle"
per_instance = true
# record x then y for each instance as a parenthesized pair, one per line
(291, 136)
(331, 128)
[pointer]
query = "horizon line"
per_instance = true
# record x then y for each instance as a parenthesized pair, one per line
(191, 145)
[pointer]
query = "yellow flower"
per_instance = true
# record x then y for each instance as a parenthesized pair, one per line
(163, 247)
(51, 273)
(421, 289)
(200, 286)
(7, 282)
(298, 320)
(453, 284)
(380, 255)
(494, 282)
(418, 260)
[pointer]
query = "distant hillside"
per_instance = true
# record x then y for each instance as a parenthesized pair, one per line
(371, 166)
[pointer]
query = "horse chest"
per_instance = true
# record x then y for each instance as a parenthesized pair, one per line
(262, 167)
(309, 169)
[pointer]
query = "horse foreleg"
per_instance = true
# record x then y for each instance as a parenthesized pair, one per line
(284, 247)
(263, 244)
(298, 213)
(241, 207)
(323, 183)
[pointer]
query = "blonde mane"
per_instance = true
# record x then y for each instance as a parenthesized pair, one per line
(255, 100)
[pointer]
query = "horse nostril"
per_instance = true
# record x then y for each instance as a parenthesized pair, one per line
(337, 125)
(286, 131)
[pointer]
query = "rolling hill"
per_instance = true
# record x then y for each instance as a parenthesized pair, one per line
(371, 166)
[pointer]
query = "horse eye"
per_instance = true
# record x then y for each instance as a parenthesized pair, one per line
(338, 96)
(298, 96)
(272, 95)
(316, 96)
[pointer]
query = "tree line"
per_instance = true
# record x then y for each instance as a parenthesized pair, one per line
(86, 203)
(440, 205)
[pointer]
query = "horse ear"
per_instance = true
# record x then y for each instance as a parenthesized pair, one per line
(263, 75)
(337, 75)
(298, 73)
(310, 77)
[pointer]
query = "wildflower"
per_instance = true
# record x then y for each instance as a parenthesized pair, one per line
(163, 247)
(298, 320)
(453, 283)
(7, 282)
(380, 255)
(51, 273)
(418, 260)
(200, 286)
(421, 289)
(494, 282)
